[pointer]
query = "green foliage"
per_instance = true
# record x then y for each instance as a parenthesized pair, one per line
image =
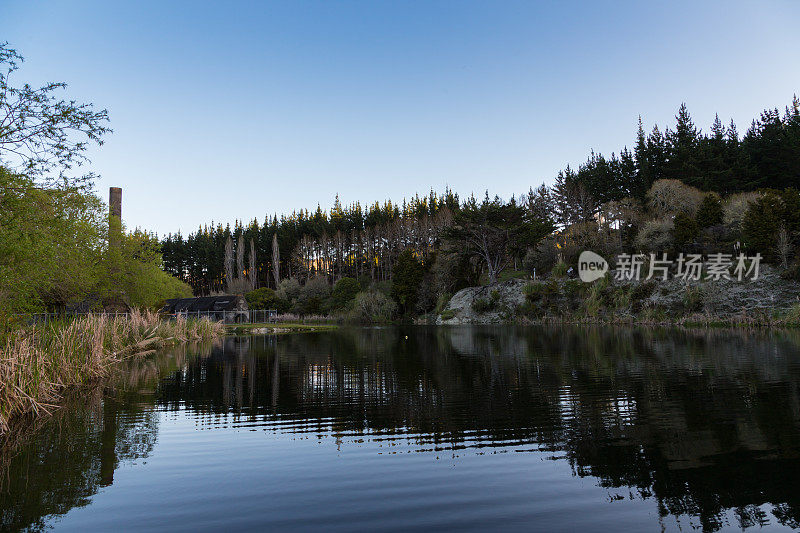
(642, 290)
(289, 290)
(574, 288)
(485, 305)
(693, 298)
(42, 136)
(344, 292)
(598, 293)
(761, 223)
(481, 305)
(791, 209)
(623, 297)
(656, 235)
(311, 298)
(448, 314)
(406, 278)
(372, 307)
(792, 273)
(491, 232)
(442, 302)
(710, 212)
(594, 301)
(685, 229)
(474, 238)
(55, 249)
(559, 270)
(542, 296)
(266, 298)
(54, 253)
(134, 274)
(542, 258)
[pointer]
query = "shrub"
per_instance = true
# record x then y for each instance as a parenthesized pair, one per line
(594, 300)
(481, 305)
(442, 302)
(791, 209)
(343, 293)
(484, 305)
(655, 235)
(289, 290)
(669, 196)
(693, 298)
(736, 206)
(545, 292)
(685, 229)
(710, 212)
(623, 297)
(312, 296)
(792, 273)
(559, 270)
(266, 298)
(448, 314)
(642, 290)
(761, 223)
(574, 287)
(372, 306)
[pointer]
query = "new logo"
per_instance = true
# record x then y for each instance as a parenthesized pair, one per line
(591, 266)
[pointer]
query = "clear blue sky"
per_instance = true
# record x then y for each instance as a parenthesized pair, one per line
(239, 109)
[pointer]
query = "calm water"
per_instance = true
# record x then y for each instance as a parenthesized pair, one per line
(422, 428)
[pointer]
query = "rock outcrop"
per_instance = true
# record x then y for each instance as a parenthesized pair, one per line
(674, 298)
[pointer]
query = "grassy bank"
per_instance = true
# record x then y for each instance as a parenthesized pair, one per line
(276, 328)
(39, 362)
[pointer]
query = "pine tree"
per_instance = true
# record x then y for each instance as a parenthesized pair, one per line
(657, 154)
(644, 172)
(682, 147)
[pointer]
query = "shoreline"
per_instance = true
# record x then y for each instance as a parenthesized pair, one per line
(42, 363)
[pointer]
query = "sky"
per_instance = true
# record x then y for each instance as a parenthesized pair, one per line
(235, 110)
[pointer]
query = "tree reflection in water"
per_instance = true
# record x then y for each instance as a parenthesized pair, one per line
(702, 422)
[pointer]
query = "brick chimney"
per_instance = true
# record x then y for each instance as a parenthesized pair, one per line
(114, 213)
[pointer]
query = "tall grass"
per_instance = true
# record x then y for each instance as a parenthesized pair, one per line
(38, 362)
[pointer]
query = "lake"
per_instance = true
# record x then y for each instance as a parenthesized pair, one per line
(425, 428)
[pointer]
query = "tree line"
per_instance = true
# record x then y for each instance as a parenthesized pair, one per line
(470, 240)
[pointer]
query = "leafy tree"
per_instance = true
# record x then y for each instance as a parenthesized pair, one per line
(406, 278)
(343, 293)
(41, 135)
(372, 306)
(486, 231)
(54, 253)
(266, 298)
(312, 296)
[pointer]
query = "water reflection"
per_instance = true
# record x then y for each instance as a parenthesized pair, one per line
(59, 464)
(706, 424)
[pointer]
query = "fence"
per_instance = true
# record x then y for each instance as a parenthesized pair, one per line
(250, 316)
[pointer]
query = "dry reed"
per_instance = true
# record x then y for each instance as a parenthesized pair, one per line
(38, 362)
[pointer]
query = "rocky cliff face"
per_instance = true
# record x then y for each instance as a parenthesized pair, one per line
(571, 298)
(505, 299)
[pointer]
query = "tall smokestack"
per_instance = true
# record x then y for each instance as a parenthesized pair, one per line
(114, 213)
(115, 202)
